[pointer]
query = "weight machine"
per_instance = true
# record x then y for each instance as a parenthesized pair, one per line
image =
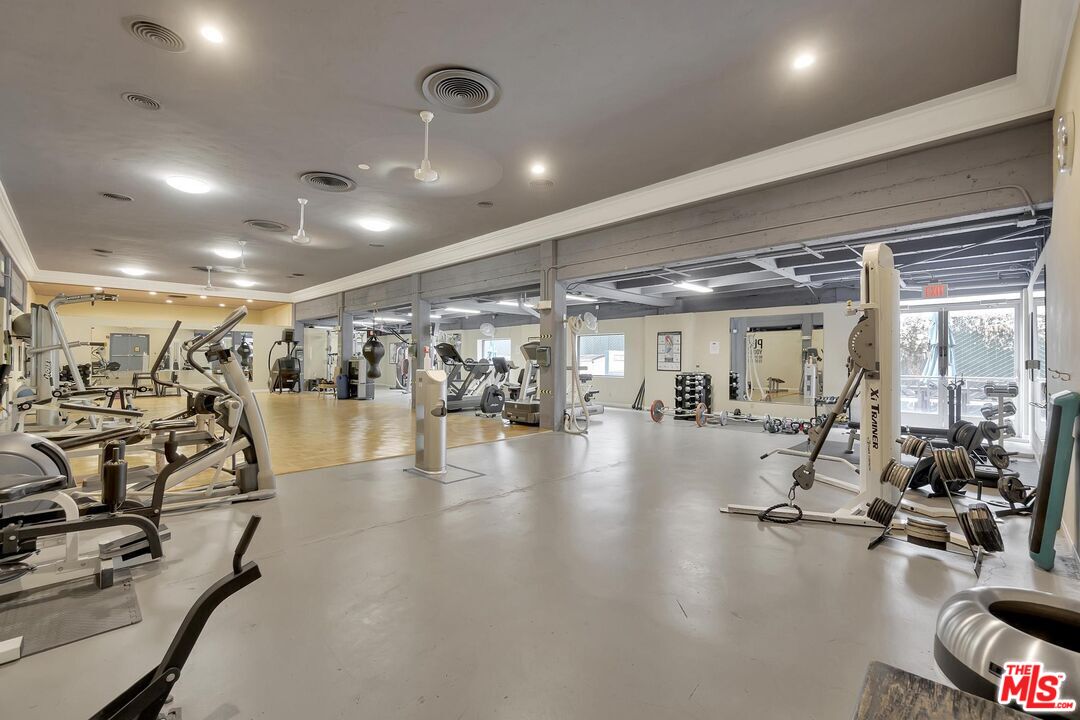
(874, 364)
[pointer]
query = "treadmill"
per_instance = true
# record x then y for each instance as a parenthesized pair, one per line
(462, 393)
(524, 408)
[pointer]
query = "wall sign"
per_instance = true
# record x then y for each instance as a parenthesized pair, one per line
(669, 351)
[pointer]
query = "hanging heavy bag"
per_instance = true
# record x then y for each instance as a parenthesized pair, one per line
(373, 352)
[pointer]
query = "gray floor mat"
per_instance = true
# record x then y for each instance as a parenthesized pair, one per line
(62, 614)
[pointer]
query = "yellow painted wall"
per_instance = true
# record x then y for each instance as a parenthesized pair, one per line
(1063, 266)
(96, 322)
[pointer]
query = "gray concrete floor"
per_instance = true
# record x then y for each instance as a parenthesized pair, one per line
(579, 578)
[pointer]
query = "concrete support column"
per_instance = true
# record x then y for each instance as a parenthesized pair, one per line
(346, 347)
(551, 388)
(421, 330)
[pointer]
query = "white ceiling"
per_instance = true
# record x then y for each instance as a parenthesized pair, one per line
(613, 95)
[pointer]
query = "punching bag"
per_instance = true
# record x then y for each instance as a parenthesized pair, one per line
(373, 352)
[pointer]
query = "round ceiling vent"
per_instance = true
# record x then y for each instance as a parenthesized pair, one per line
(296, 275)
(328, 181)
(139, 100)
(268, 225)
(116, 196)
(461, 91)
(155, 34)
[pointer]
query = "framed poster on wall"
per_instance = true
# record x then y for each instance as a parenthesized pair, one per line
(669, 351)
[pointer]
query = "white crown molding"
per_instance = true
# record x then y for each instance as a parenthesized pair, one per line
(11, 235)
(1046, 27)
(111, 282)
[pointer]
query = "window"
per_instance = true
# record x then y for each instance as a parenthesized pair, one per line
(495, 347)
(602, 355)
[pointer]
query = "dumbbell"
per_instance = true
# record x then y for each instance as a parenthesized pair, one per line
(990, 410)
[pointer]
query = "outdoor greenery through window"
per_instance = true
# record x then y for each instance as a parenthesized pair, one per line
(495, 347)
(980, 347)
(602, 355)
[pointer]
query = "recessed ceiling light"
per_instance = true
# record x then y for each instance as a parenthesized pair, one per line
(693, 287)
(133, 271)
(186, 184)
(375, 224)
(227, 253)
(538, 168)
(153, 292)
(169, 302)
(240, 282)
(97, 289)
(221, 304)
(202, 297)
(249, 300)
(212, 34)
(363, 166)
(580, 298)
(803, 60)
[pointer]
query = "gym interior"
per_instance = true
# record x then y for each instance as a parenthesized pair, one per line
(617, 360)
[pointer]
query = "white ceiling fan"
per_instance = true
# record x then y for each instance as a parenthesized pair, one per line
(301, 237)
(209, 283)
(425, 173)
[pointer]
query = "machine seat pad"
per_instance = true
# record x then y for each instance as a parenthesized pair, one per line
(17, 487)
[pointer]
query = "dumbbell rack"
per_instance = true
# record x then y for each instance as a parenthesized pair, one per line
(690, 390)
(1002, 393)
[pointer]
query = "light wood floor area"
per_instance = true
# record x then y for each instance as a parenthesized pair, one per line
(313, 430)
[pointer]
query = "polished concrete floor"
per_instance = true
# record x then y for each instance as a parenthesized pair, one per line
(578, 578)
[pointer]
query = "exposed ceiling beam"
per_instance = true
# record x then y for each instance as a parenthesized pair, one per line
(602, 291)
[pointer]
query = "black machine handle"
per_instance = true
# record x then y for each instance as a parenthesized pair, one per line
(144, 699)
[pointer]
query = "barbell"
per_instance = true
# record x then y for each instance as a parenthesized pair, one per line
(700, 414)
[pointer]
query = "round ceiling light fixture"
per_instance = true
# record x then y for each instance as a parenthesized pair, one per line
(363, 166)
(461, 91)
(803, 60)
(537, 169)
(228, 253)
(133, 271)
(375, 224)
(187, 184)
(212, 34)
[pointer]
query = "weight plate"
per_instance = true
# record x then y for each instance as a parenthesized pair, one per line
(656, 411)
(699, 414)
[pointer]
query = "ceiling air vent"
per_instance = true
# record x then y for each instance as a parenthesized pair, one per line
(461, 91)
(268, 225)
(178, 297)
(156, 34)
(328, 181)
(115, 196)
(139, 100)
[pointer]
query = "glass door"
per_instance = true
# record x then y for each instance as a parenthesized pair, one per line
(921, 382)
(942, 345)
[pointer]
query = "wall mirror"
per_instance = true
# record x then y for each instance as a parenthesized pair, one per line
(777, 358)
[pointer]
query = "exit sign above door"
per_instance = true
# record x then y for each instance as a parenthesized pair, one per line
(935, 290)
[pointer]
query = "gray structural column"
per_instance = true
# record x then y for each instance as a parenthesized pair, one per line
(346, 346)
(421, 329)
(551, 390)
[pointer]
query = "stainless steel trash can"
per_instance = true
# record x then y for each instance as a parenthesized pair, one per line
(429, 393)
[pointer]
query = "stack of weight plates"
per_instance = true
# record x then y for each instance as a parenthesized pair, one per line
(980, 528)
(928, 533)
